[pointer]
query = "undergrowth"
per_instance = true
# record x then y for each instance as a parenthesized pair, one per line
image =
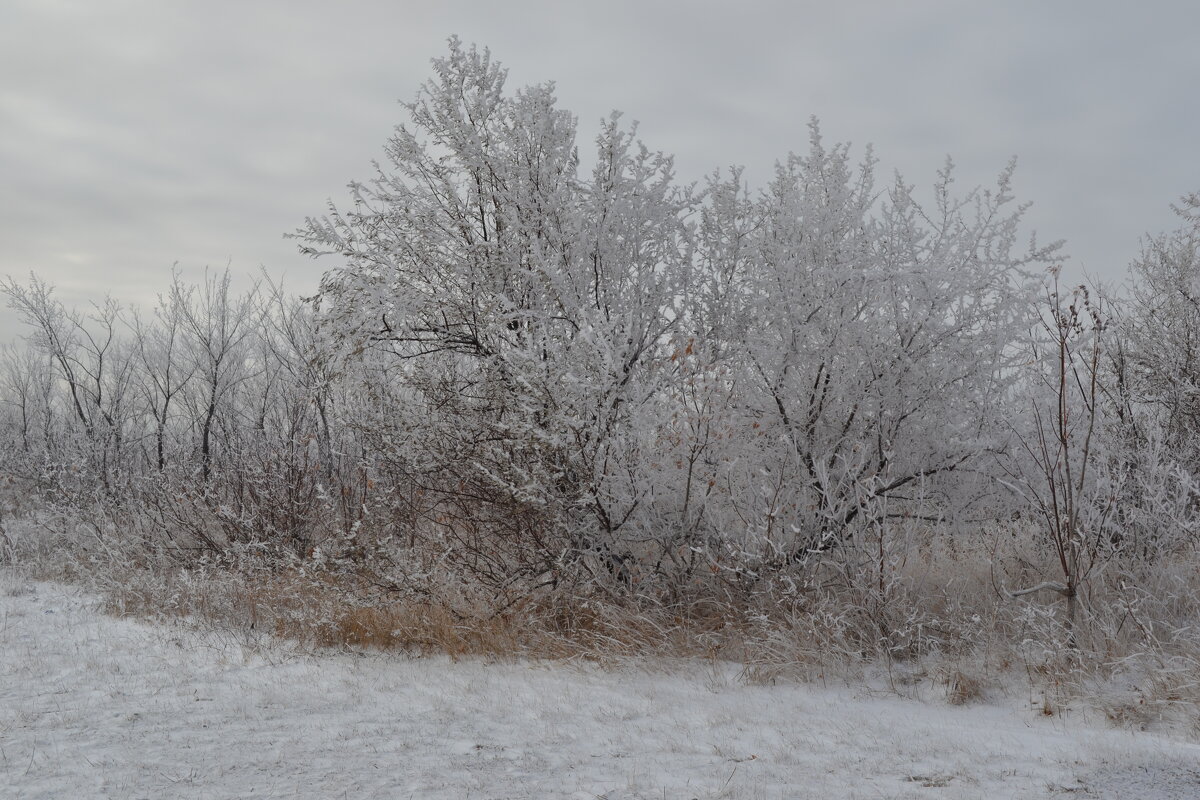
(939, 627)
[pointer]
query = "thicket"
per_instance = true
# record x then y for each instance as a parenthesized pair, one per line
(537, 404)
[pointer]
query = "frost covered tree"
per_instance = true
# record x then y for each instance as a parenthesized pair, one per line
(218, 325)
(519, 309)
(1152, 393)
(27, 394)
(867, 343)
(92, 363)
(619, 374)
(163, 371)
(1162, 332)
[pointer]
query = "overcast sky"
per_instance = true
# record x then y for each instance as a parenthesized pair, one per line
(135, 134)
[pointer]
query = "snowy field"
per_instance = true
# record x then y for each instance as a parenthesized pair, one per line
(92, 706)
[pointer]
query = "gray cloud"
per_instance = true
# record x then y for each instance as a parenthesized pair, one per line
(134, 134)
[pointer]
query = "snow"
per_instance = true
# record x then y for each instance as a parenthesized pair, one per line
(94, 706)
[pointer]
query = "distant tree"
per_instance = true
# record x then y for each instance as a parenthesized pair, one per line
(91, 360)
(27, 393)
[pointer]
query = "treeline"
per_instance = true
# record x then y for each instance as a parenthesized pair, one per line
(522, 378)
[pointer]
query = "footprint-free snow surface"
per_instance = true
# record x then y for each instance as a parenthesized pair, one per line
(92, 706)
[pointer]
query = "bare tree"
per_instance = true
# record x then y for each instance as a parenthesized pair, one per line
(164, 371)
(1061, 482)
(218, 326)
(92, 362)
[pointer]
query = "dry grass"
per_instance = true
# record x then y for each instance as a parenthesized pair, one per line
(345, 610)
(962, 688)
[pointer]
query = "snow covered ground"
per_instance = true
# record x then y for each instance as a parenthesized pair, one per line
(92, 706)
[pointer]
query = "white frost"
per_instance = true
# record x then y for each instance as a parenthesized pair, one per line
(92, 706)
